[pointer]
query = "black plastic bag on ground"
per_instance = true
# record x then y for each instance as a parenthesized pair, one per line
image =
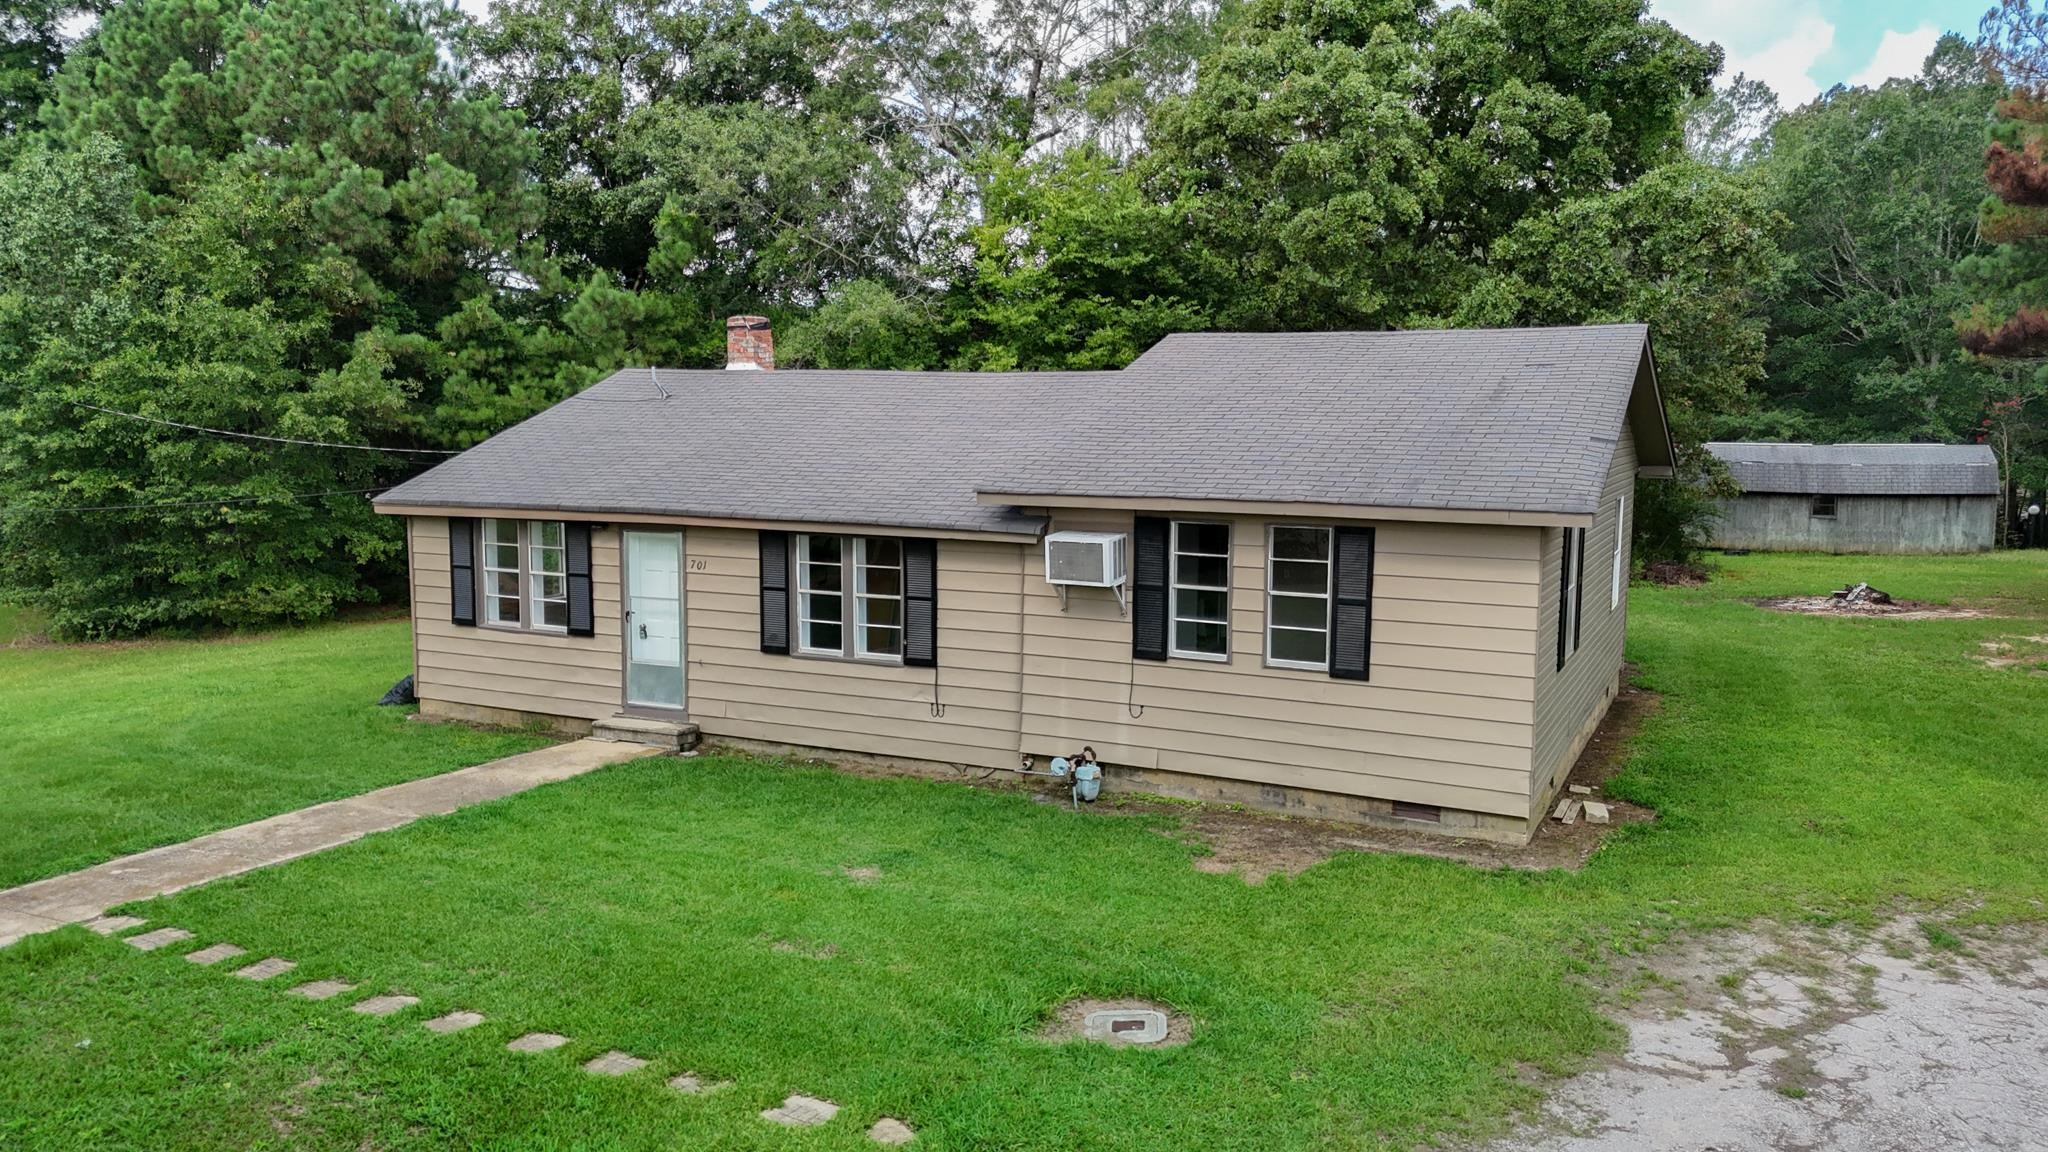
(401, 693)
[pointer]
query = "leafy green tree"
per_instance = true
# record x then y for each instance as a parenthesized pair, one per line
(318, 215)
(762, 127)
(1073, 267)
(1350, 164)
(31, 50)
(2007, 324)
(1881, 188)
(863, 324)
(1732, 126)
(415, 194)
(978, 81)
(1687, 249)
(117, 526)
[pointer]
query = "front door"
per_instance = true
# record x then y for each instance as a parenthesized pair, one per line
(654, 620)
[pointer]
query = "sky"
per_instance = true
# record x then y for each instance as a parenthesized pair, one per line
(1802, 47)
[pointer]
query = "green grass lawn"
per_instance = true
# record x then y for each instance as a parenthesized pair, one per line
(112, 748)
(1804, 768)
(18, 624)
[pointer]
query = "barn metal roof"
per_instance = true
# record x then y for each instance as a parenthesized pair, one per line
(1861, 469)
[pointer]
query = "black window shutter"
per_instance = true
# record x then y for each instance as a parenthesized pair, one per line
(582, 614)
(1351, 607)
(775, 593)
(921, 603)
(1149, 542)
(1564, 594)
(1579, 593)
(462, 568)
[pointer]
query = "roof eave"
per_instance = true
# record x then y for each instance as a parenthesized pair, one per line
(1516, 517)
(1022, 530)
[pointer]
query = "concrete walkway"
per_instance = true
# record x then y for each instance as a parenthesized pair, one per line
(87, 894)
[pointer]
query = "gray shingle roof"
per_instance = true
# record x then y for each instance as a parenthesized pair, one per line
(1489, 420)
(1507, 419)
(1861, 469)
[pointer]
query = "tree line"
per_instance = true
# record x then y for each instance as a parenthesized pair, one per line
(383, 223)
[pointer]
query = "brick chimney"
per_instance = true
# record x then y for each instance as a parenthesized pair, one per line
(749, 345)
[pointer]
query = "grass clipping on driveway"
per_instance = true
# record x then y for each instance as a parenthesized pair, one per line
(1803, 768)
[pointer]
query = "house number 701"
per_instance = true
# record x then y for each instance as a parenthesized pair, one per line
(699, 565)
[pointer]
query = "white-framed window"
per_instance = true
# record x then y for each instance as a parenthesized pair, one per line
(1298, 590)
(525, 575)
(547, 567)
(1574, 576)
(1201, 590)
(821, 595)
(878, 568)
(502, 600)
(1620, 577)
(849, 597)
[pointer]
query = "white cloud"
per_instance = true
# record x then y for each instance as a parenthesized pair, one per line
(1787, 64)
(1898, 54)
(1775, 41)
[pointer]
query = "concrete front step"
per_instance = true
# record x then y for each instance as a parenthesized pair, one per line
(668, 734)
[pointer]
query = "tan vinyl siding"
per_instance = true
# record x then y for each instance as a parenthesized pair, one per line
(1449, 716)
(1445, 719)
(737, 690)
(1568, 700)
(539, 672)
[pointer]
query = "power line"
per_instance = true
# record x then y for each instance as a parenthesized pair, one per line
(24, 509)
(270, 439)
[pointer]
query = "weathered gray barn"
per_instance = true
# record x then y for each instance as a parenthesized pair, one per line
(1858, 497)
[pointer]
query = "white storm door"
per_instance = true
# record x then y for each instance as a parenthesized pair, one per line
(654, 621)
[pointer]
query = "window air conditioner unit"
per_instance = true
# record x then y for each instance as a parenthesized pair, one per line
(1088, 560)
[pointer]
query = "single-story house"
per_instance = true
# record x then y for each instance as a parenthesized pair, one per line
(1858, 497)
(1375, 576)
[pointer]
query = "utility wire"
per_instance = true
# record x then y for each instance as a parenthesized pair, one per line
(270, 439)
(24, 509)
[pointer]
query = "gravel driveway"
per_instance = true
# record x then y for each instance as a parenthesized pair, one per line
(1901, 1040)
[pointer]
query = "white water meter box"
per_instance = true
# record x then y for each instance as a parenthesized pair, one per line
(1086, 559)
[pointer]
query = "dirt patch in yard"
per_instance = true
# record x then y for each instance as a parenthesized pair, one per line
(1256, 845)
(1676, 574)
(1909, 1035)
(1894, 610)
(2027, 652)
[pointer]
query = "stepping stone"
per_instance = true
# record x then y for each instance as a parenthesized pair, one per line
(538, 1042)
(891, 1131)
(321, 989)
(1596, 812)
(1581, 790)
(115, 925)
(385, 1005)
(151, 941)
(614, 1063)
(454, 1022)
(265, 969)
(213, 954)
(802, 1112)
(690, 1084)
